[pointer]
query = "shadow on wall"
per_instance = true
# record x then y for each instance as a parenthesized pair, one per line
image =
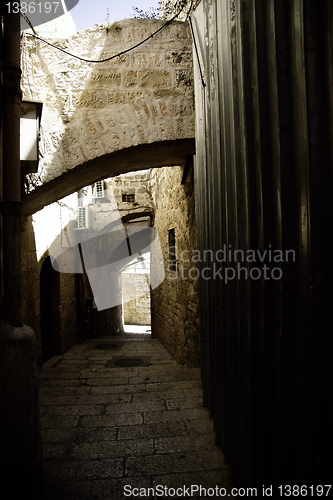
(80, 291)
(59, 306)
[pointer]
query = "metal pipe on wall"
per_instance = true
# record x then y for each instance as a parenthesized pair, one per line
(20, 431)
(11, 206)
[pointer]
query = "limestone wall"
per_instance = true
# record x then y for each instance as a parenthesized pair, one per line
(169, 8)
(91, 110)
(134, 183)
(175, 318)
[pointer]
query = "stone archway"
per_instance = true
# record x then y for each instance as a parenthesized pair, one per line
(133, 112)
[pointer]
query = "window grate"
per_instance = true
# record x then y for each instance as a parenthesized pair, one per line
(172, 251)
(128, 198)
(82, 218)
(99, 191)
(85, 218)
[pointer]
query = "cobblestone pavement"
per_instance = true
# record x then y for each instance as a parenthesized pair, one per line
(108, 429)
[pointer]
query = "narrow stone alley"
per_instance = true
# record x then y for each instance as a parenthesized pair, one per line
(119, 413)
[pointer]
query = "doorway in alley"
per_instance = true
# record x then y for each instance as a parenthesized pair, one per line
(49, 299)
(136, 299)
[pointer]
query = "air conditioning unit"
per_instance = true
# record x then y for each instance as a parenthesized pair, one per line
(100, 191)
(85, 218)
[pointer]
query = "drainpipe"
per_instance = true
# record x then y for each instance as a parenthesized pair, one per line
(20, 432)
(11, 205)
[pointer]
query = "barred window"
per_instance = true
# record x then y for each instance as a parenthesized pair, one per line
(172, 251)
(128, 198)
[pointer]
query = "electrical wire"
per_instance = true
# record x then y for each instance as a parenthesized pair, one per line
(108, 58)
(25, 17)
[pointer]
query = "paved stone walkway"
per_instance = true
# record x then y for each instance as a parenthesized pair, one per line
(109, 429)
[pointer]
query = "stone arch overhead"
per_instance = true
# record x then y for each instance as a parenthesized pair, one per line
(133, 112)
(142, 157)
(128, 218)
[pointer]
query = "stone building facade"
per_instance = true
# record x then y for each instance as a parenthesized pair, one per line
(132, 192)
(135, 185)
(175, 319)
(136, 298)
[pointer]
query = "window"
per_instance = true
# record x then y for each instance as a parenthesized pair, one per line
(128, 198)
(172, 251)
(98, 189)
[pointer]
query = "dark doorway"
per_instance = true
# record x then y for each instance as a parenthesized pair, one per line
(49, 299)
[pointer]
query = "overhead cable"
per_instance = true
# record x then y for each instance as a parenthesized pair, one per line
(108, 58)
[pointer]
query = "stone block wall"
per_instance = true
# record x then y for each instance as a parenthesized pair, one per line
(136, 299)
(168, 9)
(135, 183)
(175, 319)
(89, 110)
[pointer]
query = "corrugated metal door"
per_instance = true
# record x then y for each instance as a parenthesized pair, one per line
(263, 180)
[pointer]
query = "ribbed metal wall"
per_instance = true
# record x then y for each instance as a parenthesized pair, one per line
(263, 178)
